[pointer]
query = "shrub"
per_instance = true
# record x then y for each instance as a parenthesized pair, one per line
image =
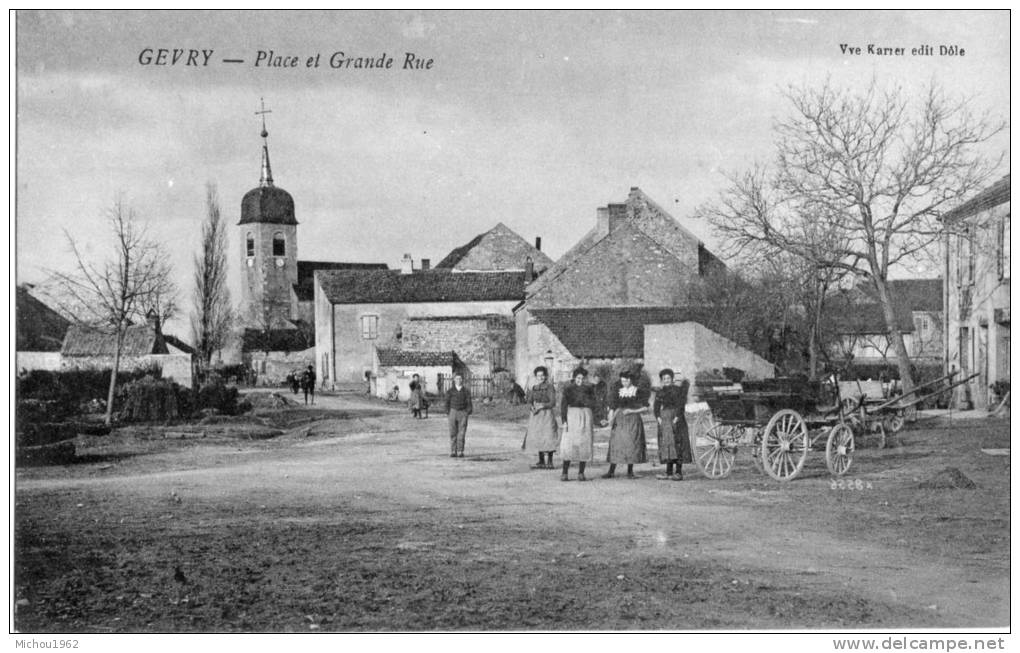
(77, 386)
(152, 400)
(218, 395)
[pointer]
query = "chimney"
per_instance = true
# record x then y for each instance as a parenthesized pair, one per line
(406, 264)
(538, 243)
(529, 270)
(426, 265)
(617, 216)
(152, 319)
(602, 220)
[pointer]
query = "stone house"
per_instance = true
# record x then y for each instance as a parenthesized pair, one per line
(360, 311)
(861, 330)
(394, 368)
(144, 346)
(656, 336)
(635, 256)
(498, 249)
(977, 273)
(39, 334)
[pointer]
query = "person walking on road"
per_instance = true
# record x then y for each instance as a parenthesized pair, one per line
(458, 408)
(577, 441)
(674, 440)
(308, 384)
(627, 435)
(543, 434)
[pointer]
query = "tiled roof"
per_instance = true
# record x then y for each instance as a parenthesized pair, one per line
(305, 286)
(287, 340)
(997, 193)
(139, 340)
(499, 248)
(609, 332)
(179, 344)
(267, 205)
(405, 358)
(39, 327)
(860, 313)
(392, 287)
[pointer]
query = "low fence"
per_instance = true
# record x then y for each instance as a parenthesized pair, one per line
(480, 387)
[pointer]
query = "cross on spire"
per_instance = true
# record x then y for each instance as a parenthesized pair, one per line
(267, 173)
(263, 113)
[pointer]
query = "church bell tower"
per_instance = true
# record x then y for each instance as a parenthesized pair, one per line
(268, 235)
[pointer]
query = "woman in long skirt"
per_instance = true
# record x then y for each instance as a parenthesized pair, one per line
(577, 441)
(543, 433)
(674, 440)
(627, 438)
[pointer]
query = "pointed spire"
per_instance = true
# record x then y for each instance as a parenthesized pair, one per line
(267, 172)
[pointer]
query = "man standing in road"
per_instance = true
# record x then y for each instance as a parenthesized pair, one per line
(458, 407)
(308, 383)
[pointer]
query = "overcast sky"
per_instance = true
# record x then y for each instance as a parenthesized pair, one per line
(533, 119)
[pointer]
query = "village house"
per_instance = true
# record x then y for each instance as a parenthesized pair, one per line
(977, 293)
(638, 261)
(395, 368)
(863, 337)
(360, 311)
(40, 332)
(144, 346)
(656, 336)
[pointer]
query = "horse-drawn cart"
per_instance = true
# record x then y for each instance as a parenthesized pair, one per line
(782, 419)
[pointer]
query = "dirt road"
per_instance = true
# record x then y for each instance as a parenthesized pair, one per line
(365, 523)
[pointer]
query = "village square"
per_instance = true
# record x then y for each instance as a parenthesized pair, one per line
(784, 407)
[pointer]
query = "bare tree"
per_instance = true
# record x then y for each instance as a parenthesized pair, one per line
(213, 316)
(111, 296)
(859, 182)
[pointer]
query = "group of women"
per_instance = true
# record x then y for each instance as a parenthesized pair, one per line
(571, 433)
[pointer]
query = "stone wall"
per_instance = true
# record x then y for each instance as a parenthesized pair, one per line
(481, 343)
(688, 348)
(626, 268)
(263, 282)
(272, 369)
(38, 360)
(174, 366)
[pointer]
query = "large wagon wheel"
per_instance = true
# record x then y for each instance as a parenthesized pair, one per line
(715, 450)
(784, 445)
(839, 449)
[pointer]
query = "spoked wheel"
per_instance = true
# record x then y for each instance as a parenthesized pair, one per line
(784, 445)
(715, 450)
(839, 449)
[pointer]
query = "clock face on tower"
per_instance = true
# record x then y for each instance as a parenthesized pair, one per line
(279, 262)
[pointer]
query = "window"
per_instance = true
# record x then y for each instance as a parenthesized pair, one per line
(279, 244)
(369, 327)
(1004, 247)
(964, 351)
(922, 323)
(964, 259)
(250, 245)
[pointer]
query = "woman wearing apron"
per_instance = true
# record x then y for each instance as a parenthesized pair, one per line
(543, 433)
(578, 436)
(674, 440)
(627, 438)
